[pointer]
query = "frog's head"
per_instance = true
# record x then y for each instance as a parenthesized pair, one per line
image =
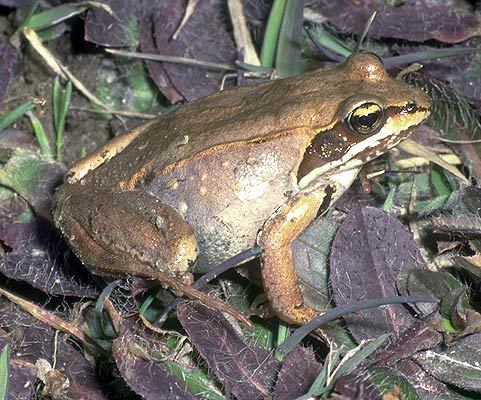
(373, 114)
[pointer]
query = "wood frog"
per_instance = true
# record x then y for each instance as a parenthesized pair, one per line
(253, 163)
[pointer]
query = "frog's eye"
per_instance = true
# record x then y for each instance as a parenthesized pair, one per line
(366, 119)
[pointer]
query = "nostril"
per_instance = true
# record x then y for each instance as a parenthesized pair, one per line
(410, 106)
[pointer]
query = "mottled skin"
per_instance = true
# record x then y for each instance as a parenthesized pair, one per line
(202, 181)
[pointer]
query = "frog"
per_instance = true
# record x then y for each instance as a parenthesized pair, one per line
(243, 166)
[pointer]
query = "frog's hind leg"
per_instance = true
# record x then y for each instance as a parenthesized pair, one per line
(277, 265)
(119, 233)
(111, 231)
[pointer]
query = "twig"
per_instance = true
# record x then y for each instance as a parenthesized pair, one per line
(242, 35)
(51, 319)
(189, 11)
(454, 141)
(172, 59)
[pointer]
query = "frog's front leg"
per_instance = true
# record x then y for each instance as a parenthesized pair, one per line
(277, 265)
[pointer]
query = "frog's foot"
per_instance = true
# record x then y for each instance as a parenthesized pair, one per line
(277, 265)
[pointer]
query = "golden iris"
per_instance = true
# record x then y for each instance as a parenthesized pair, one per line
(366, 119)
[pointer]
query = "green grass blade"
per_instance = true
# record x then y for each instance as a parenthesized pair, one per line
(288, 56)
(4, 372)
(61, 103)
(13, 115)
(440, 181)
(389, 201)
(323, 38)
(196, 380)
(147, 303)
(55, 15)
(56, 98)
(282, 335)
(30, 13)
(357, 356)
(40, 134)
(271, 36)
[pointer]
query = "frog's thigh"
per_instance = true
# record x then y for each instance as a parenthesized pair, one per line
(277, 264)
(118, 232)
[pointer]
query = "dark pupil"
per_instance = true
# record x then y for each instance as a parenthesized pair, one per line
(367, 121)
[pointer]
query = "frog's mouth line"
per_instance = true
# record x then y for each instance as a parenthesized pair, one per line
(366, 150)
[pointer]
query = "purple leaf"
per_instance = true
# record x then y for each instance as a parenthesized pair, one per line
(35, 340)
(420, 336)
(104, 29)
(37, 257)
(457, 365)
(310, 252)
(299, 371)
(426, 386)
(206, 37)
(354, 197)
(156, 69)
(370, 249)
(10, 209)
(83, 379)
(468, 84)
(247, 370)
(418, 24)
(9, 67)
(150, 380)
(406, 380)
(22, 376)
(107, 30)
